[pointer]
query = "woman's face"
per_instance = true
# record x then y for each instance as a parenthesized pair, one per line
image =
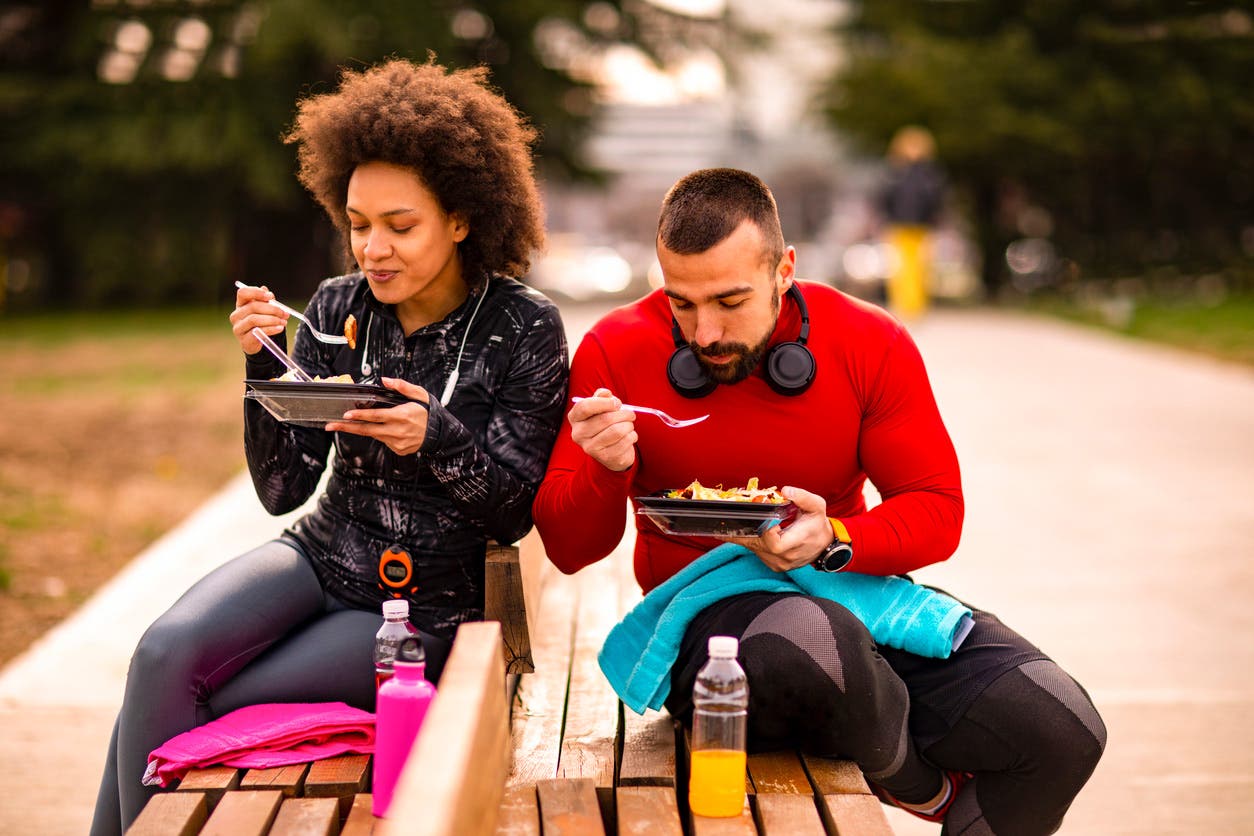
(401, 237)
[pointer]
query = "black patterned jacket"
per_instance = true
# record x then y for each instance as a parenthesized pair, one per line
(479, 466)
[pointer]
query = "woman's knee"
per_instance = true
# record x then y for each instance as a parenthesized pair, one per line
(165, 656)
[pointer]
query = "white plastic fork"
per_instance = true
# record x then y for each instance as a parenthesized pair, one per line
(318, 335)
(666, 419)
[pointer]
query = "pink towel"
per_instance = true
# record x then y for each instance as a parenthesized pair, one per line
(261, 736)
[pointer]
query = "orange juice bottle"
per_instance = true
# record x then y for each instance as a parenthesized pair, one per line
(720, 700)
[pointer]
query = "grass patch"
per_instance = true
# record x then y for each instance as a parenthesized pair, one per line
(1219, 328)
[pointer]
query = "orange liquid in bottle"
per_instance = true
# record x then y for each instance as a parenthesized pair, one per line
(716, 786)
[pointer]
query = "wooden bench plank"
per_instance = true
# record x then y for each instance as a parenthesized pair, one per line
(520, 812)
(244, 813)
(289, 780)
(361, 820)
(454, 778)
(540, 701)
(569, 807)
(307, 817)
(513, 576)
(171, 814)
(592, 706)
(779, 772)
(647, 811)
(787, 814)
(854, 815)
(341, 777)
(830, 776)
(212, 781)
(742, 825)
(648, 749)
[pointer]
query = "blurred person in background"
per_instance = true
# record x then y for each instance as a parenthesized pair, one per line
(910, 203)
(995, 738)
(428, 174)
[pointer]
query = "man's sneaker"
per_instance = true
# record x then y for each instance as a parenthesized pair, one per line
(933, 812)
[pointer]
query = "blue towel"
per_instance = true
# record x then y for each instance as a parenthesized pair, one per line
(641, 649)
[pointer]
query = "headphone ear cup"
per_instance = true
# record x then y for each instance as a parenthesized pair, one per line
(790, 368)
(687, 377)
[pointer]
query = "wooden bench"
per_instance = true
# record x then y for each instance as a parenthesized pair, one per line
(552, 751)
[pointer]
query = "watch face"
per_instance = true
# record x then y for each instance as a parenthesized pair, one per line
(835, 557)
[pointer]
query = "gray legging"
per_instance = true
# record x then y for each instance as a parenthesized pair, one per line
(259, 629)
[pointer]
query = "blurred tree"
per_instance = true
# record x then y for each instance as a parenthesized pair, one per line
(1130, 124)
(140, 152)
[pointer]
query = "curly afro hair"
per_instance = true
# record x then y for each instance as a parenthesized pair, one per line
(467, 144)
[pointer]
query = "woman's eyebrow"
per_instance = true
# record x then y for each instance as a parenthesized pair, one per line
(388, 213)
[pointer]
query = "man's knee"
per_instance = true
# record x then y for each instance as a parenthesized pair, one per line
(1059, 730)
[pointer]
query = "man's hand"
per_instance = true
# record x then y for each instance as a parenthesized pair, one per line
(402, 428)
(808, 534)
(605, 430)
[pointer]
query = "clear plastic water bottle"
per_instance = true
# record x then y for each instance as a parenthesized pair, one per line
(720, 714)
(396, 628)
(402, 706)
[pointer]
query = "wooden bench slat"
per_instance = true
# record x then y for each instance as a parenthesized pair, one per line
(742, 825)
(513, 576)
(520, 812)
(454, 778)
(648, 749)
(307, 817)
(835, 777)
(244, 813)
(337, 777)
(648, 811)
(540, 702)
(213, 781)
(569, 807)
(592, 708)
(779, 772)
(855, 815)
(361, 820)
(171, 814)
(787, 814)
(289, 780)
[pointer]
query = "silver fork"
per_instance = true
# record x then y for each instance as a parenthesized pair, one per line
(318, 335)
(666, 419)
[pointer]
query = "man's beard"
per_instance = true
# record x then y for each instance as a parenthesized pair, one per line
(746, 358)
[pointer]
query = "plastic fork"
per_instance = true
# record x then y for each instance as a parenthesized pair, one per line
(666, 419)
(273, 347)
(318, 335)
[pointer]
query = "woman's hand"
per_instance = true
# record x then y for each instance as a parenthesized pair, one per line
(402, 428)
(605, 430)
(801, 542)
(253, 310)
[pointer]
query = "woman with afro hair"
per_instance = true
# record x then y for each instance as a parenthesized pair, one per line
(428, 175)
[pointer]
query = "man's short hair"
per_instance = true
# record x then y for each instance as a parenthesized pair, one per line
(707, 206)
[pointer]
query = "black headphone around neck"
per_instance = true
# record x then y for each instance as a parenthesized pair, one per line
(790, 366)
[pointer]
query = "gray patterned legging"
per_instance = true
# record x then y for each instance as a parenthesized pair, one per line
(258, 629)
(997, 708)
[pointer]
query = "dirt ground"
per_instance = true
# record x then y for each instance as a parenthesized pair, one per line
(102, 457)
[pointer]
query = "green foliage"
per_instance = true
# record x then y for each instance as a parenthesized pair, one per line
(1130, 123)
(153, 190)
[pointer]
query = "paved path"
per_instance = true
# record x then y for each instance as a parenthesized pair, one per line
(1109, 517)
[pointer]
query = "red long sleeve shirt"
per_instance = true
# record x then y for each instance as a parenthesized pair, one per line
(870, 413)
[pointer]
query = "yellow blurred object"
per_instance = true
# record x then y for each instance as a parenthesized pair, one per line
(909, 281)
(716, 786)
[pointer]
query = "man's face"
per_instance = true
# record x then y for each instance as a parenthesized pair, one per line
(726, 300)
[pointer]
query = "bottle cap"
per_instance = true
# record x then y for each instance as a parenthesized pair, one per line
(396, 608)
(411, 652)
(725, 647)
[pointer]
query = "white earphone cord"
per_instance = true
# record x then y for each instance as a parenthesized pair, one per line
(452, 378)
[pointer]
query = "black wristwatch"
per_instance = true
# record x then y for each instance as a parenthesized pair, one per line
(838, 554)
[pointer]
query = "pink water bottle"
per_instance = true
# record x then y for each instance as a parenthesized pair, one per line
(401, 706)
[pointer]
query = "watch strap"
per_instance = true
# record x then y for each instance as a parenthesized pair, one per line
(839, 530)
